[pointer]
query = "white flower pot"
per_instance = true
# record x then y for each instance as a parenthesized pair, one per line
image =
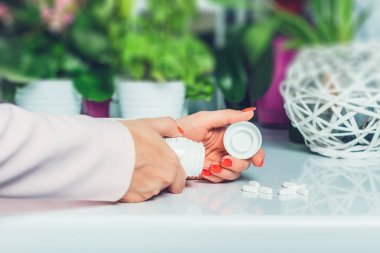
(144, 99)
(332, 95)
(50, 96)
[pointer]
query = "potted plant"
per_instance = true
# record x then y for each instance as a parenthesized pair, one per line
(92, 37)
(161, 62)
(331, 89)
(254, 60)
(34, 58)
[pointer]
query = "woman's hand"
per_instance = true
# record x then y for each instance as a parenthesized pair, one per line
(209, 128)
(157, 166)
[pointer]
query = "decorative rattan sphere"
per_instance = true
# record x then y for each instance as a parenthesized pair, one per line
(332, 95)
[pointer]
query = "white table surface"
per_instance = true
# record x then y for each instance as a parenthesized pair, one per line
(342, 213)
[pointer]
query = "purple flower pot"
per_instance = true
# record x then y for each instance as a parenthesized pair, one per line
(270, 108)
(97, 109)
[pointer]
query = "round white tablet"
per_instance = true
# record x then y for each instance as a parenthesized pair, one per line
(249, 188)
(265, 190)
(254, 183)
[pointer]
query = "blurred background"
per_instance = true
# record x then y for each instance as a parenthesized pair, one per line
(148, 58)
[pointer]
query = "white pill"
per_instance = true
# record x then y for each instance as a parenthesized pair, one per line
(254, 183)
(294, 185)
(288, 184)
(303, 191)
(266, 190)
(249, 188)
(287, 191)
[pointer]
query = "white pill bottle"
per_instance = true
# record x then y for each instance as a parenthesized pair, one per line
(241, 140)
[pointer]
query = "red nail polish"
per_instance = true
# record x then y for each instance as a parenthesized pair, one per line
(249, 109)
(180, 130)
(206, 173)
(215, 168)
(261, 163)
(226, 163)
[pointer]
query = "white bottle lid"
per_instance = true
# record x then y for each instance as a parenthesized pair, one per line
(242, 140)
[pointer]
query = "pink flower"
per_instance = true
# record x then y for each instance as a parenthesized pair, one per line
(5, 14)
(68, 19)
(60, 15)
(46, 14)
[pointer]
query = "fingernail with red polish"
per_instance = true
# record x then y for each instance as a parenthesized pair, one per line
(226, 163)
(261, 163)
(206, 173)
(249, 109)
(180, 130)
(215, 168)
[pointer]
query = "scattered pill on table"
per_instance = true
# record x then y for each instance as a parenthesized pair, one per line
(293, 185)
(254, 183)
(250, 195)
(286, 191)
(265, 196)
(265, 190)
(288, 184)
(249, 188)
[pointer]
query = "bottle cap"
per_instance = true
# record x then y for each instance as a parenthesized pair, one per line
(242, 140)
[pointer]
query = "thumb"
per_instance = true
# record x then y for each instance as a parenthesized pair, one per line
(165, 126)
(221, 118)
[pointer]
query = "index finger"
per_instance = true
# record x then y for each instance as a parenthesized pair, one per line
(221, 118)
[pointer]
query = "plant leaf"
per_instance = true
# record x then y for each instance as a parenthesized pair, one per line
(258, 38)
(230, 75)
(297, 27)
(95, 84)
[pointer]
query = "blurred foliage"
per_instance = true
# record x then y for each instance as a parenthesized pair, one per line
(160, 46)
(244, 64)
(230, 71)
(90, 41)
(95, 84)
(28, 51)
(37, 45)
(93, 37)
(171, 18)
(327, 22)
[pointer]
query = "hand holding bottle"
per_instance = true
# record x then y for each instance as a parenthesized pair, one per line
(209, 128)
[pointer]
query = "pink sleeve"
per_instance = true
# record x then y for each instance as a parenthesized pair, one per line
(75, 158)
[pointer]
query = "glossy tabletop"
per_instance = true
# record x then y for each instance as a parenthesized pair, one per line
(341, 214)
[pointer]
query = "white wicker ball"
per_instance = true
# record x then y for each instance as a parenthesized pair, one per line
(332, 95)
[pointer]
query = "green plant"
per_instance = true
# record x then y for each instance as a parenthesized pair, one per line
(29, 51)
(74, 41)
(159, 46)
(244, 65)
(330, 22)
(94, 36)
